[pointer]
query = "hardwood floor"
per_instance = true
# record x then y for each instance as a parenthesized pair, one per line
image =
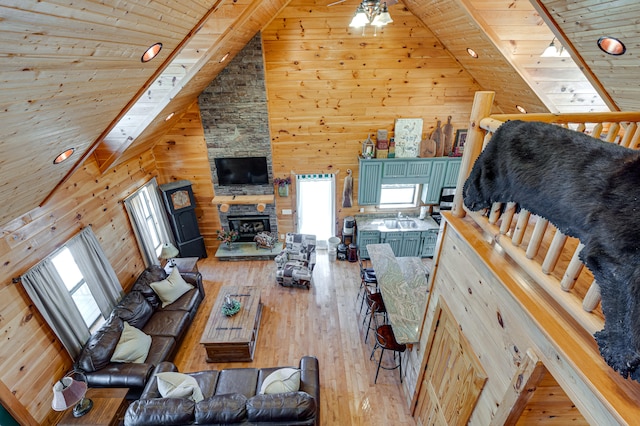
(323, 322)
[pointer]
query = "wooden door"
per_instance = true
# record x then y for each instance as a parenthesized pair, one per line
(453, 376)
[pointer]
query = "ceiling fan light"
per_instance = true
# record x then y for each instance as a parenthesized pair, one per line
(611, 46)
(382, 19)
(551, 51)
(359, 19)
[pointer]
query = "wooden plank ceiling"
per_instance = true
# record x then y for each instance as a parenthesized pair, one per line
(72, 77)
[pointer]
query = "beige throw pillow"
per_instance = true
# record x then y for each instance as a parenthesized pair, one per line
(133, 345)
(282, 380)
(172, 384)
(170, 289)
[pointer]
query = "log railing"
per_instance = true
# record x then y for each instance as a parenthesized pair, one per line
(544, 253)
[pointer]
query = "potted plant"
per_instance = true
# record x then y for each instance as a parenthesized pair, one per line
(227, 237)
(283, 186)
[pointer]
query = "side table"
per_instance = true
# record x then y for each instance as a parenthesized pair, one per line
(109, 406)
(184, 264)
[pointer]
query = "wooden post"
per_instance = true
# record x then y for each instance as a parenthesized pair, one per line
(482, 103)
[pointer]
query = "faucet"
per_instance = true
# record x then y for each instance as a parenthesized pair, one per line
(399, 215)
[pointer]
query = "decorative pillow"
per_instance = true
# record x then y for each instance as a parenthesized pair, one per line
(282, 380)
(177, 385)
(152, 274)
(133, 345)
(172, 288)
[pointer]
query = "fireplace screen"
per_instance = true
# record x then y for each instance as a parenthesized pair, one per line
(249, 226)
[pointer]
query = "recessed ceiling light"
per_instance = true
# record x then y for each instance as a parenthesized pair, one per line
(63, 156)
(170, 116)
(224, 58)
(611, 46)
(151, 52)
(521, 109)
(472, 53)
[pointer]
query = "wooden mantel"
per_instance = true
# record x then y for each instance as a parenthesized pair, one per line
(243, 199)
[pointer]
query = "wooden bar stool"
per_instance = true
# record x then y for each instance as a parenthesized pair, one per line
(375, 306)
(367, 279)
(386, 340)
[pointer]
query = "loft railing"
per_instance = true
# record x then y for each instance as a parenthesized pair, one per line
(549, 257)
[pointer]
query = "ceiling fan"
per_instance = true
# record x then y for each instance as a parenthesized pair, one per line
(389, 2)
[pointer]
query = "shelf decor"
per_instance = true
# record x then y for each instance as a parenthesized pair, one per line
(283, 186)
(231, 306)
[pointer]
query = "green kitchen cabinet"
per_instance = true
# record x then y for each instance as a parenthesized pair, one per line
(429, 239)
(369, 182)
(451, 175)
(364, 238)
(394, 239)
(411, 244)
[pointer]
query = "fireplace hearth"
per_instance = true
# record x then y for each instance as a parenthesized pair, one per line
(249, 225)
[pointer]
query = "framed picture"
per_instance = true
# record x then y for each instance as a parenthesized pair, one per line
(408, 134)
(461, 138)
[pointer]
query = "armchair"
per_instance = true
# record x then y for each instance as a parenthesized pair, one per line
(296, 261)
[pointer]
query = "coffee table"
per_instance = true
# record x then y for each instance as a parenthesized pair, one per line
(233, 339)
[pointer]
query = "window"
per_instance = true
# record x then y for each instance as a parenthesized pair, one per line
(149, 221)
(402, 195)
(77, 286)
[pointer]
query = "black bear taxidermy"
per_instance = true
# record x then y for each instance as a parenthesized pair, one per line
(588, 189)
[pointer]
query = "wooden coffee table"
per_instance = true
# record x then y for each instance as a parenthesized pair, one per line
(233, 339)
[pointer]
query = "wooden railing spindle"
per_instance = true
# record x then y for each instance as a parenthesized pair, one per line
(521, 227)
(592, 298)
(507, 217)
(573, 270)
(536, 237)
(554, 252)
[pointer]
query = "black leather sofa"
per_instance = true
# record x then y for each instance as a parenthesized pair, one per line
(141, 308)
(231, 398)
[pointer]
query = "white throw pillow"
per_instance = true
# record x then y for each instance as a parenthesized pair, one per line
(172, 384)
(169, 290)
(133, 345)
(282, 380)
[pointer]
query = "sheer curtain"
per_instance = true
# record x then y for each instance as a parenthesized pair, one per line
(136, 208)
(316, 199)
(49, 294)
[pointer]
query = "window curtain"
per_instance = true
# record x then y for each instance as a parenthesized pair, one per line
(50, 295)
(96, 270)
(315, 206)
(135, 209)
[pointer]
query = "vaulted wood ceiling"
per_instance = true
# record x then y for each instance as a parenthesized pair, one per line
(72, 77)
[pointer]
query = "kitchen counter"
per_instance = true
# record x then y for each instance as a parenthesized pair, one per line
(376, 222)
(404, 286)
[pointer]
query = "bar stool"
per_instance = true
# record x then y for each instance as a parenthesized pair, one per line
(375, 306)
(386, 340)
(367, 279)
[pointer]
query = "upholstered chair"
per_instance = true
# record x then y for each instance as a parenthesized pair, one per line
(296, 261)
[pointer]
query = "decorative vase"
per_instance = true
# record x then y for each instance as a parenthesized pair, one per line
(283, 190)
(228, 245)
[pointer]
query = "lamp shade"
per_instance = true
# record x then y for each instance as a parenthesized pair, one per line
(67, 392)
(168, 251)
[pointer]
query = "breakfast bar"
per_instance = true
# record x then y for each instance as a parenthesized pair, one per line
(404, 287)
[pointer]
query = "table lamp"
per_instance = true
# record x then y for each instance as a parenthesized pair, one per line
(69, 392)
(168, 251)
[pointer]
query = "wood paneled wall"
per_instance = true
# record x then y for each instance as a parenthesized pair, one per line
(31, 358)
(328, 86)
(182, 154)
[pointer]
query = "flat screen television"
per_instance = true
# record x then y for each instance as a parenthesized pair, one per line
(242, 171)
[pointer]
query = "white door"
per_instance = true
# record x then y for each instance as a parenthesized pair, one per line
(316, 206)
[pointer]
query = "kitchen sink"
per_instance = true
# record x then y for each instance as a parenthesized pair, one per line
(391, 223)
(400, 223)
(407, 223)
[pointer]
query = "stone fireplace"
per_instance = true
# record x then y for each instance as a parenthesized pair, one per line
(249, 225)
